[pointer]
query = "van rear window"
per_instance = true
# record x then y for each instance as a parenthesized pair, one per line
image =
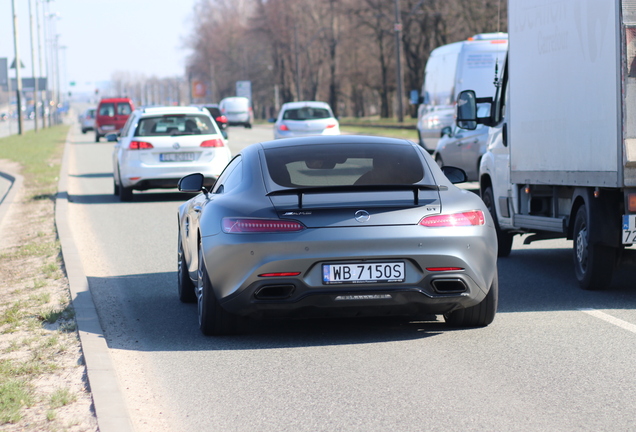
(344, 165)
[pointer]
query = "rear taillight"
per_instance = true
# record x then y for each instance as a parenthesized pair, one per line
(470, 218)
(140, 145)
(221, 119)
(216, 142)
(283, 127)
(331, 125)
(240, 225)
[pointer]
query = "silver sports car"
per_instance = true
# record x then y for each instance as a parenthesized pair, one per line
(338, 225)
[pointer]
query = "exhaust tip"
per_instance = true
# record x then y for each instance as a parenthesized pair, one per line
(274, 292)
(449, 286)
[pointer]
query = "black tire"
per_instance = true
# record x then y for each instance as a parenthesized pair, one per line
(479, 315)
(115, 188)
(83, 131)
(97, 137)
(125, 194)
(213, 319)
(248, 126)
(593, 264)
(184, 284)
(504, 238)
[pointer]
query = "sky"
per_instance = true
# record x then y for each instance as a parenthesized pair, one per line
(142, 37)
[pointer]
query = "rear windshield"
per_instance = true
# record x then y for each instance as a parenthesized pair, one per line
(123, 108)
(344, 165)
(306, 113)
(167, 125)
(107, 109)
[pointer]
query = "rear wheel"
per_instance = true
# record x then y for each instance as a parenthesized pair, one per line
(213, 319)
(115, 188)
(97, 136)
(593, 264)
(184, 284)
(479, 315)
(125, 193)
(504, 238)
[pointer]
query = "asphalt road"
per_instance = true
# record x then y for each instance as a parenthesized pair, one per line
(556, 357)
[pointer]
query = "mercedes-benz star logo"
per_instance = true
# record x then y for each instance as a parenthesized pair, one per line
(362, 216)
(176, 146)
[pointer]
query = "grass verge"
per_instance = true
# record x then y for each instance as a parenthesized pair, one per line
(41, 366)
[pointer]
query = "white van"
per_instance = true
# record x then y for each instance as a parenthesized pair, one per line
(451, 68)
(237, 110)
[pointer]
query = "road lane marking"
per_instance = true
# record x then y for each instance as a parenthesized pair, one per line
(610, 319)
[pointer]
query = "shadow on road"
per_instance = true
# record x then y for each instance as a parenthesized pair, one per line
(530, 281)
(138, 197)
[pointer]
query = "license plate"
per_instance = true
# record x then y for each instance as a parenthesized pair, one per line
(363, 273)
(176, 157)
(108, 127)
(629, 229)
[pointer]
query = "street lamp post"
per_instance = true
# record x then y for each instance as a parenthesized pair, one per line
(35, 78)
(398, 59)
(18, 63)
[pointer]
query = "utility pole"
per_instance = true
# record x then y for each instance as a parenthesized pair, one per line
(35, 78)
(18, 77)
(43, 101)
(398, 59)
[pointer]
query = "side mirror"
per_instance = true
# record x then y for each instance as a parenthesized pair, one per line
(454, 174)
(446, 130)
(112, 137)
(191, 183)
(467, 110)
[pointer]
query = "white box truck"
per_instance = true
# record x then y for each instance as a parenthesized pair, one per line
(561, 158)
(450, 69)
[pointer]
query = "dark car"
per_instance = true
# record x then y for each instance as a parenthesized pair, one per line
(335, 225)
(218, 117)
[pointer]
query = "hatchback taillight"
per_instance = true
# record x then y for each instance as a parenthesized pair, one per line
(331, 125)
(241, 225)
(221, 119)
(283, 127)
(469, 218)
(216, 142)
(140, 145)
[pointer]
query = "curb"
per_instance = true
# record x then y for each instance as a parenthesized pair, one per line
(108, 400)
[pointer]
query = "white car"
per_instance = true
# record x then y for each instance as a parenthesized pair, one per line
(157, 146)
(298, 119)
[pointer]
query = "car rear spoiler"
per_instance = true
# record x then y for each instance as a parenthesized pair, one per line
(301, 191)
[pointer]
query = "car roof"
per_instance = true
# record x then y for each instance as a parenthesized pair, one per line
(334, 139)
(109, 100)
(148, 111)
(301, 104)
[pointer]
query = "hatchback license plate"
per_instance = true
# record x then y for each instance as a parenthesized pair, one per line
(176, 157)
(629, 229)
(363, 273)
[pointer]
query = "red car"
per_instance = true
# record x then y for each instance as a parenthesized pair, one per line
(112, 114)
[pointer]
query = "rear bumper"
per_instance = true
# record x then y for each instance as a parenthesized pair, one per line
(234, 271)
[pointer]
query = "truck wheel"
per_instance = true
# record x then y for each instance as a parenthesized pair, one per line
(479, 315)
(593, 264)
(440, 162)
(504, 238)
